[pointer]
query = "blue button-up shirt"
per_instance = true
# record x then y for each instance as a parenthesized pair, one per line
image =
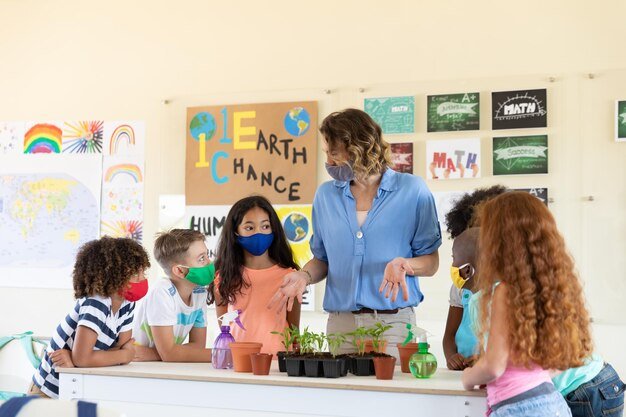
(401, 222)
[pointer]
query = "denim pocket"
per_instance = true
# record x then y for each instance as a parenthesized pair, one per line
(612, 393)
(612, 389)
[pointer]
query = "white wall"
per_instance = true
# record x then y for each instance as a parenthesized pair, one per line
(119, 60)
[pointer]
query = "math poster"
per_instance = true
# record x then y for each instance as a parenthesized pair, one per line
(453, 159)
(393, 114)
(453, 112)
(520, 155)
(519, 109)
(233, 151)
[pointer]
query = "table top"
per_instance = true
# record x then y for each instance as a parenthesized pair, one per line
(443, 382)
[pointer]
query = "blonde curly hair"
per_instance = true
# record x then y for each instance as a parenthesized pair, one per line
(357, 133)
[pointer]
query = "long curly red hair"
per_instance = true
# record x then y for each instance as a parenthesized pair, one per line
(521, 247)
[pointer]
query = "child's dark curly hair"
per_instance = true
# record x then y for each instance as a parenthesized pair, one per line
(459, 218)
(105, 266)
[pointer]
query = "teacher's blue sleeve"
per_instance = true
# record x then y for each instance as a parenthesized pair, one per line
(427, 237)
(317, 244)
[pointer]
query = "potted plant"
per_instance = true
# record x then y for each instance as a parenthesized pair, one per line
(384, 364)
(311, 344)
(361, 364)
(335, 367)
(295, 363)
(289, 336)
(376, 332)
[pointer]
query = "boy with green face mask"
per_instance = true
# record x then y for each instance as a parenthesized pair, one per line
(176, 307)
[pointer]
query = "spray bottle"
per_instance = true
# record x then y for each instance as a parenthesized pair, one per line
(423, 364)
(221, 357)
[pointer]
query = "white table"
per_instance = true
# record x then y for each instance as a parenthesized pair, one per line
(159, 389)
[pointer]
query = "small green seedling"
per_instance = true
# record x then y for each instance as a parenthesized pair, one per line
(306, 341)
(358, 339)
(376, 332)
(289, 335)
(335, 340)
(319, 339)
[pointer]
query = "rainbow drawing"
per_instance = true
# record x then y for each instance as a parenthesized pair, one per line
(83, 137)
(132, 229)
(122, 133)
(131, 170)
(43, 138)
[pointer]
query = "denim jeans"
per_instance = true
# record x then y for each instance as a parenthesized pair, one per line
(602, 396)
(547, 405)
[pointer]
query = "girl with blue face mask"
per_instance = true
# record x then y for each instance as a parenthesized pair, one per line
(253, 256)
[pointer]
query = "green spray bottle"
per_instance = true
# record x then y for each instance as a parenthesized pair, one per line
(423, 364)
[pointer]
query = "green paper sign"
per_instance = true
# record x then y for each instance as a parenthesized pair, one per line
(620, 116)
(393, 114)
(520, 155)
(453, 112)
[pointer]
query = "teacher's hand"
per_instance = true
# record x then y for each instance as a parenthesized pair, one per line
(292, 288)
(395, 278)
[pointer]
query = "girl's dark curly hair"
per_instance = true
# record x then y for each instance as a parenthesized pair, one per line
(230, 257)
(105, 266)
(459, 218)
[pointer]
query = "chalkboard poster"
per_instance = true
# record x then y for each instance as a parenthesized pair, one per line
(453, 112)
(519, 109)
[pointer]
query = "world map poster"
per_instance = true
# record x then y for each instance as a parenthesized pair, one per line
(49, 207)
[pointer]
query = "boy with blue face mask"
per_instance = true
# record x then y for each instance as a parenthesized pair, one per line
(175, 309)
(460, 345)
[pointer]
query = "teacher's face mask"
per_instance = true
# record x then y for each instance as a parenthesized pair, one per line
(341, 172)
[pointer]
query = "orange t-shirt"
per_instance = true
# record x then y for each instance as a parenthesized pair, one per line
(255, 316)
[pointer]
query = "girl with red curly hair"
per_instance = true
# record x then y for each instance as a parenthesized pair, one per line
(531, 309)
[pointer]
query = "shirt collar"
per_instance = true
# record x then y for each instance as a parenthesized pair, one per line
(388, 182)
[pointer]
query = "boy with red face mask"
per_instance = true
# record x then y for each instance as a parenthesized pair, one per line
(108, 278)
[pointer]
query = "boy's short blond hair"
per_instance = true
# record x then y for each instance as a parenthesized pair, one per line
(171, 247)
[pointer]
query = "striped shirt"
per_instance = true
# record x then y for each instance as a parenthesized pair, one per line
(95, 314)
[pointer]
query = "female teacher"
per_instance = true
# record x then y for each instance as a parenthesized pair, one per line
(374, 232)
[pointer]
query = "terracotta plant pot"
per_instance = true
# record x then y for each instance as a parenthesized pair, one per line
(261, 363)
(369, 346)
(405, 355)
(384, 366)
(241, 355)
